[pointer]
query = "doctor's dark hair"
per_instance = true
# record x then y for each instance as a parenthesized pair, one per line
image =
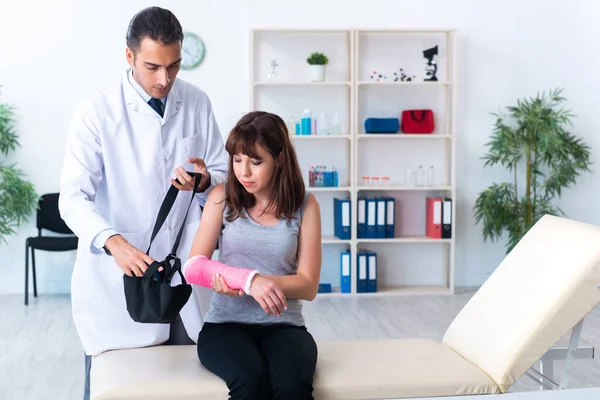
(155, 23)
(259, 128)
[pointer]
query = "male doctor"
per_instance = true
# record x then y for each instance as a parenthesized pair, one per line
(126, 144)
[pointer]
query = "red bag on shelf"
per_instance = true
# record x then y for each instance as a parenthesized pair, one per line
(417, 121)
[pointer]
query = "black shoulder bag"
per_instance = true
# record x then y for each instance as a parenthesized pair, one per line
(151, 298)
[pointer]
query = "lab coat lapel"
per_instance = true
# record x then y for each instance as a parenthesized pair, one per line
(174, 100)
(134, 101)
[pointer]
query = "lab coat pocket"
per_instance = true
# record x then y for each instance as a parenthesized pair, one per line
(190, 147)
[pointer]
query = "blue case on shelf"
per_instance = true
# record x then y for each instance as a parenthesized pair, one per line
(324, 288)
(382, 125)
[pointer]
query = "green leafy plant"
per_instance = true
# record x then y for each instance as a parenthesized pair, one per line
(18, 198)
(317, 59)
(533, 142)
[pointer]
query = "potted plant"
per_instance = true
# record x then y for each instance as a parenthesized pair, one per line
(18, 198)
(533, 142)
(317, 62)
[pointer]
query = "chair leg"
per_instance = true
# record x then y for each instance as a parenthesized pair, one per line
(26, 273)
(33, 272)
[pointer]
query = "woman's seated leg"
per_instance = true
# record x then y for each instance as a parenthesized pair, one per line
(291, 356)
(229, 351)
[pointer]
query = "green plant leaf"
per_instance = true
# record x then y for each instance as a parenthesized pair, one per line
(18, 198)
(531, 137)
(317, 59)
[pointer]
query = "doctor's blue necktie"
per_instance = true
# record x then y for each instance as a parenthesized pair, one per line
(156, 104)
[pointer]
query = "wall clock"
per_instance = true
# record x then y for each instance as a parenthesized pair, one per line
(192, 51)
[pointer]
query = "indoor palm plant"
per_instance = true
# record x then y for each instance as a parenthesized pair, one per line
(533, 142)
(18, 198)
(317, 62)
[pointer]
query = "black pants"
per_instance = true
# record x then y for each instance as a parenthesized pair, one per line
(260, 362)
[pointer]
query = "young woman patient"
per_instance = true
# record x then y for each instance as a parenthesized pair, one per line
(269, 233)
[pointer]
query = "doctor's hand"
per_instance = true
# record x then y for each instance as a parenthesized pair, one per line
(269, 295)
(131, 260)
(187, 181)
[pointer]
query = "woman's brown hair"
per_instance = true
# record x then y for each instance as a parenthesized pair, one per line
(260, 128)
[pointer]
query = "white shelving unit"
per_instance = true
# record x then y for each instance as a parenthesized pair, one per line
(410, 263)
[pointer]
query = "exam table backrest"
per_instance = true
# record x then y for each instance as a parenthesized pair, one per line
(539, 292)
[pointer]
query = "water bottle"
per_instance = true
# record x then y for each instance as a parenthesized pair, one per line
(291, 125)
(335, 124)
(320, 176)
(431, 176)
(335, 178)
(420, 176)
(323, 124)
(410, 177)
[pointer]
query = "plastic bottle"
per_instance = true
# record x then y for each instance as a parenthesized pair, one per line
(323, 124)
(420, 176)
(320, 182)
(291, 125)
(410, 177)
(431, 176)
(306, 122)
(335, 177)
(335, 124)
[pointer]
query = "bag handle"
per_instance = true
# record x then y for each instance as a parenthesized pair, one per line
(165, 208)
(168, 271)
(423, 114)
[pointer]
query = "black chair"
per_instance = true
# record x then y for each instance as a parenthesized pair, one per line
(48, 217)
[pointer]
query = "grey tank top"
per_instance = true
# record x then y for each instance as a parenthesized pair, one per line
(272, 250)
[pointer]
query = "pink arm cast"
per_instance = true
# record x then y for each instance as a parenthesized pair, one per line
(199, 270)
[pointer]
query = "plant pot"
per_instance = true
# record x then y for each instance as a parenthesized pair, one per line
(317, 73)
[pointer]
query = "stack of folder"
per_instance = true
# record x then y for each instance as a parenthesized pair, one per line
(438, 217)
(366, 271)
(366, 261)
(376, 217)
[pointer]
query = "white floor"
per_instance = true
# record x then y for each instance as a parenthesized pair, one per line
(41, 357)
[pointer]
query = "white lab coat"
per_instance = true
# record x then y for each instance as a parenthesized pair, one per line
(119, 158)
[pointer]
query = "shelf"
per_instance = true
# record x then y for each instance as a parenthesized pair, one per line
(403, 136)
(406, 239)
(299, 30)
(328, 189)
(333, 240)
(349, 91)
(335, 292)
(404, 188)
(409, 290)
(392, 83)
(405, 31)
(302, 83)
(320, 137)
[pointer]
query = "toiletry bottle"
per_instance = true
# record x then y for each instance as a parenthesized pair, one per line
(335, 124)
(306, 122)
(323, 124)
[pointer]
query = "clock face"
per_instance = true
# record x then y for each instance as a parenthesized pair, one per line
(192, 51)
